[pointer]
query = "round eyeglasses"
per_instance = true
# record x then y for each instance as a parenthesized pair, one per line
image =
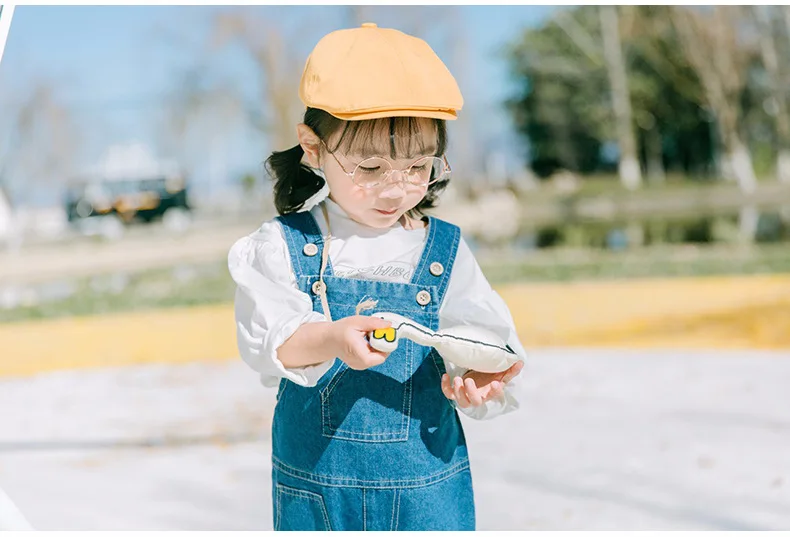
(375, 171)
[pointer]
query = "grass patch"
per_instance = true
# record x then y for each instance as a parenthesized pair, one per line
(182, 285)
(656, 262)
(192, 285)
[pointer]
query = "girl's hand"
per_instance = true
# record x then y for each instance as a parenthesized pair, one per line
(476, 388)
(347, 336)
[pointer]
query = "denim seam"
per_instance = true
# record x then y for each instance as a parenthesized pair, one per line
(445, 282)
(422, 310)
(426, 252)
(323, 480)
(319, 241)
(289, 235)
(341, 370)
(407, 398)
(392, 518)
(295, 236)
(369, 435)
(399, 492)
(325, 418)
(381, 438)
(281, 389)
(432, 355)
(364, 512)
(449, 261)
(278, 522)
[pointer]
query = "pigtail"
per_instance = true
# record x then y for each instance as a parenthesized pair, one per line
(294, 183)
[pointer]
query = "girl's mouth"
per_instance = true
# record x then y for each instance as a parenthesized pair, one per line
(387, 213)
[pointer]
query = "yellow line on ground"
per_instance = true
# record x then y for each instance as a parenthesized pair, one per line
(640, 312)
(717, 313)
(161, 336)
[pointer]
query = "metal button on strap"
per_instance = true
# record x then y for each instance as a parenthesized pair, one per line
(423, 298)
(318, 287)
(310, 249)
(437, 269)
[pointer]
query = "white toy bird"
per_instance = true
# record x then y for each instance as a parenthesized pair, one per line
(470, 347)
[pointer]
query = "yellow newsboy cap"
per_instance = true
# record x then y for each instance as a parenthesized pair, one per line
(371, 72)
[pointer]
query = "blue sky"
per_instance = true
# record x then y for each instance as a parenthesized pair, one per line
(113, 64)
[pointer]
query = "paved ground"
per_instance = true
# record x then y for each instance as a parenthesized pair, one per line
(142, 249)
(604, 440)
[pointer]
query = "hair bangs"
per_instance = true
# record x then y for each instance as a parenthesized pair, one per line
(397, 137)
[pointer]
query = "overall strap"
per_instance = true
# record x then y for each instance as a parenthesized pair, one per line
(305, 243)
(438, 257)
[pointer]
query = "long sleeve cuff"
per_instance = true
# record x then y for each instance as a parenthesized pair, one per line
(307, 376)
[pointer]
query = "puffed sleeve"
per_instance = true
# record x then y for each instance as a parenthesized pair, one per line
(470, 300)
(269, 307)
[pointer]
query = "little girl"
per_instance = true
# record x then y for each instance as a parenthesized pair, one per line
(362, 440)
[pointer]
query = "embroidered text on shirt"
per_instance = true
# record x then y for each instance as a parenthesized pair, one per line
(386, 272)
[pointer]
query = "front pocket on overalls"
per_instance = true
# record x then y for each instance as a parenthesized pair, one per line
(281, 388)
(300, 510)
(373, 405)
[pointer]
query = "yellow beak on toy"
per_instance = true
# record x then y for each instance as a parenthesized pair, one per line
(387, 334)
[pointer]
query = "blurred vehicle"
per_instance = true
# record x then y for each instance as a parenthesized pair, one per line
(107, 206)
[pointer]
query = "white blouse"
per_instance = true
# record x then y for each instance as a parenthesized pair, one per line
(269, 307)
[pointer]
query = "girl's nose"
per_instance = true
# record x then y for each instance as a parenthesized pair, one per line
(394, 186)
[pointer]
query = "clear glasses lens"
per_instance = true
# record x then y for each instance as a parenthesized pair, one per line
(375, 171)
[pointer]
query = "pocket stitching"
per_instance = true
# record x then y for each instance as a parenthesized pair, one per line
(304, 494)
(324, 396)
(396, 436)
(326, 392)
(281, 389)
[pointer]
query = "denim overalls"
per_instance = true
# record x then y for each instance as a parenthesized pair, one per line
(383, 448)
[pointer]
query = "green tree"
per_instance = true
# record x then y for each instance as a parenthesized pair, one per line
(563, 109)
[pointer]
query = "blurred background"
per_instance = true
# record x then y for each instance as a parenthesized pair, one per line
(622, 173)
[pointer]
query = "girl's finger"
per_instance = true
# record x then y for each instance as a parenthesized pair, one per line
(370, 356)
(368, 324)
(363, 351)
(379, 354)
(511, 373)
(460, 394)
(496, 390)
(446, 389)
(472, 392)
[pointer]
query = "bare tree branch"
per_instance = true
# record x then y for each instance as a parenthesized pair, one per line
(771, 63)
(45, 138)
(712, 44)
(630, 172)
(279, 69)
(576, 33)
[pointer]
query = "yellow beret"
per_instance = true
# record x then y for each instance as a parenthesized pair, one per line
(371, 72)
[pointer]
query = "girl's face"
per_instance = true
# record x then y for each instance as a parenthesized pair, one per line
(384, 205)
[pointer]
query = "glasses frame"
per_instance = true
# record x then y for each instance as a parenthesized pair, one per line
(447, 170)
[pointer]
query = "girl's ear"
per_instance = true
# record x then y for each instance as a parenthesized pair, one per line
(311, 144)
